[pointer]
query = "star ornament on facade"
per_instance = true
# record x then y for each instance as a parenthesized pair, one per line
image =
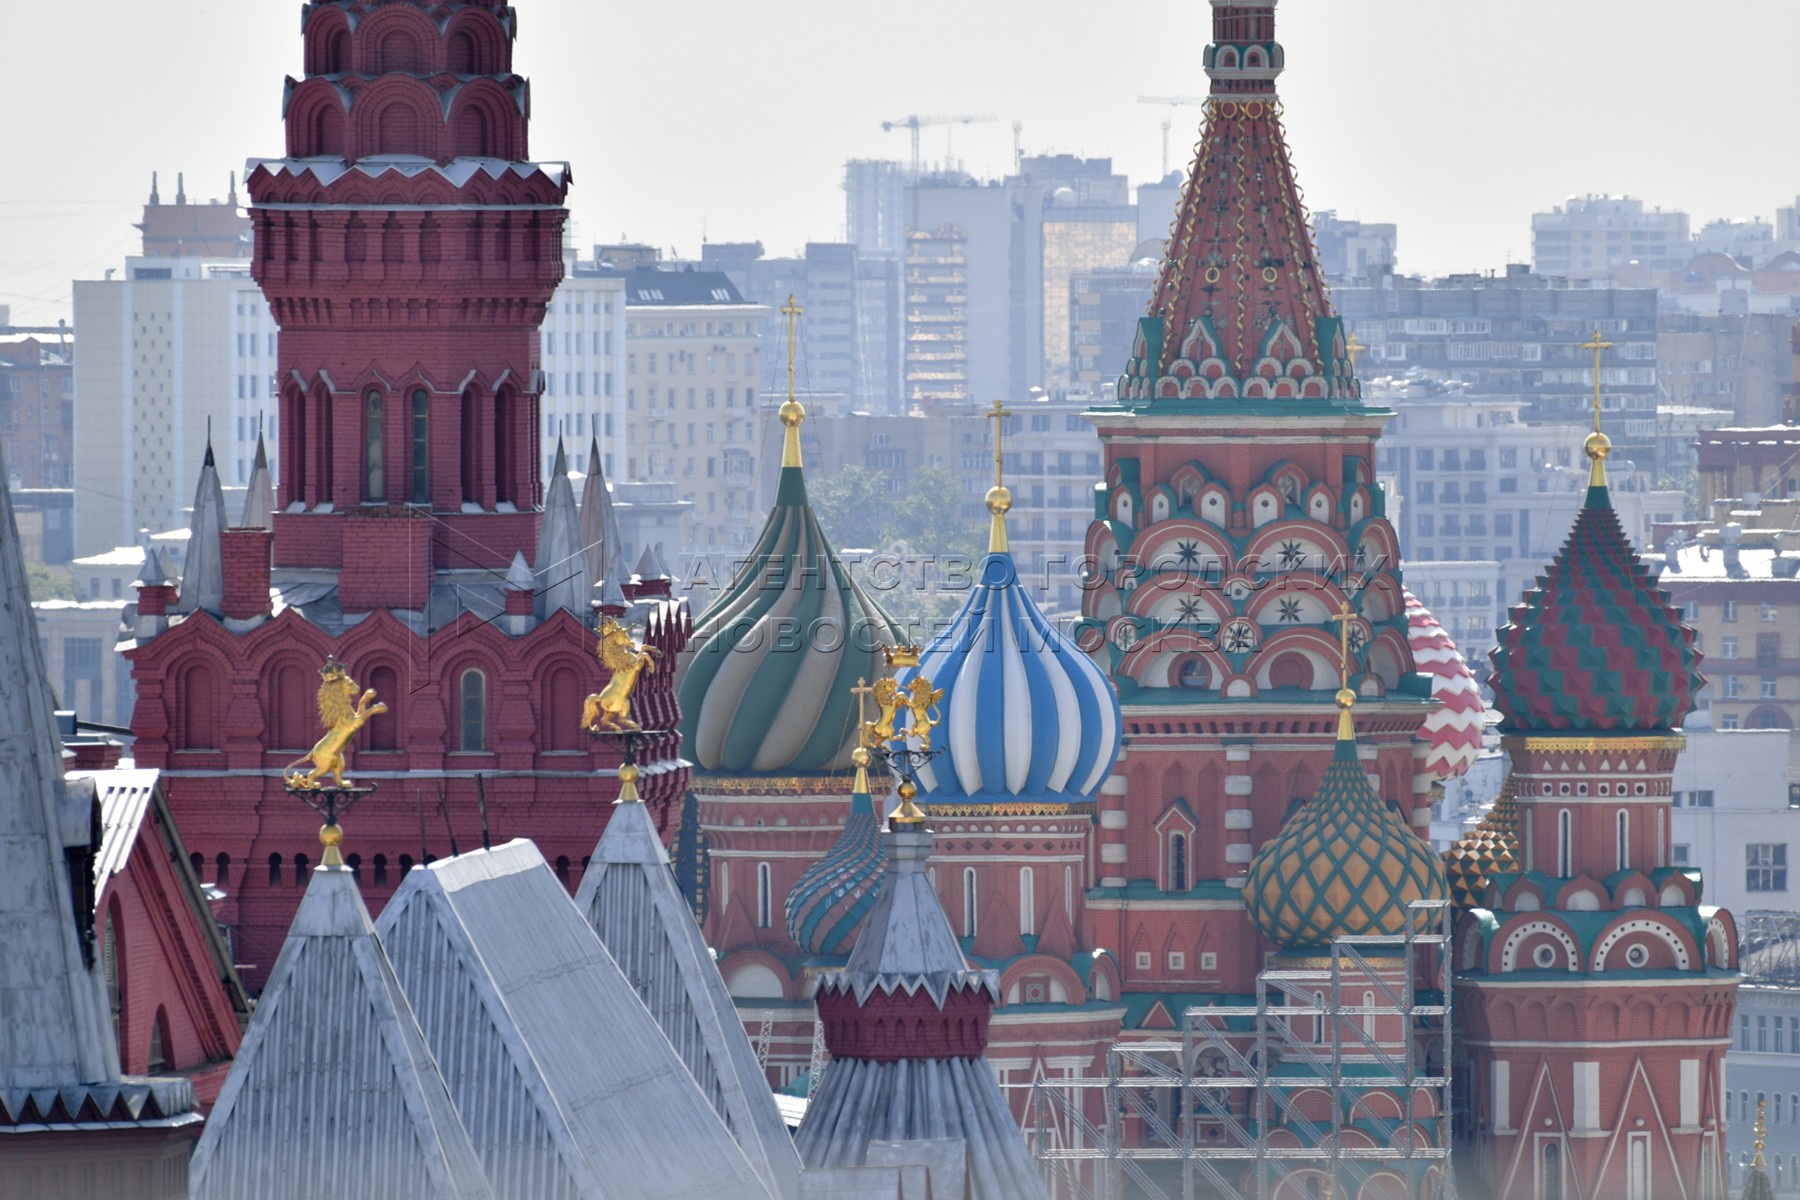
(1240, 637)
(1288, 611)
(1189, 609)
(1292, 555)
(1187, 553)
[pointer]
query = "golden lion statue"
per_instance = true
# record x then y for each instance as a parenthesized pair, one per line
(922, 701)
(889, 703)
(610, 707)
(342, 714)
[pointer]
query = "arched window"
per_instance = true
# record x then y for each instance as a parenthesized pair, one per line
(1368, 1021)
(197, 861)
(1178, 865)
(764, 896)
(406, 864)
(354, 862)
(970, 898)
(562, 710)
(399, 52)
(1318, 1021)
(1069, 893)
(462, 53)
(274, 870)
(724, 893)
(471, 693)
(1027, 902)
(300, 870)
(421, 446)
(222, 870)
(1550, 1172)
(381, 876)
(374, 474)
(471, 450)
(110, 934)
(1564, 858)
(327, 130)
(1623, 822)
(502, 448)
(157, 1060)
(472, 137)
(562, 869)
(384, 728)
(1531, 839)
(194, 709)
(293, 724)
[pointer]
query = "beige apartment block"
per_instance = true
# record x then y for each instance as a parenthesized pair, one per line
(172, 348)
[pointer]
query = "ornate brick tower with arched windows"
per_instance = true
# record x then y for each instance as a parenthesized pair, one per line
(408, 248)
(1238, 512)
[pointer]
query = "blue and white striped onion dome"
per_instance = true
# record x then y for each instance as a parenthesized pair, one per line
(831, 898)
(1025, 712)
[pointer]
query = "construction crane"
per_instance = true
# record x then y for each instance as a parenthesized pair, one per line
(1173, 103)
(916, 123)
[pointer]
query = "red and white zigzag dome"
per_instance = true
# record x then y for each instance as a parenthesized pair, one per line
(1454, 730)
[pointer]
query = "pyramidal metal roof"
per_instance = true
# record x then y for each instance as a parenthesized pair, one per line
(335, 1093)
(565, 1083)
(629, 896)
(203, 573)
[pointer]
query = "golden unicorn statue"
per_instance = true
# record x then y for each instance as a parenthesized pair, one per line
(922, 701)
(610, 707)
(342, 714)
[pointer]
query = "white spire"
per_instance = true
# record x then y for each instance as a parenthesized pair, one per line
(259, 496)
(203, 575)
(562, 566)
(599, 522)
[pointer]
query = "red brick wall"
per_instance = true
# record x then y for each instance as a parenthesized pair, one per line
(387, 561)
(245, 556)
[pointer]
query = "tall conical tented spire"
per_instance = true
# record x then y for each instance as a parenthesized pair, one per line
(1024, 712)
(203, 572)
(906, 1022)
(629, 895)
(155, 196)
(768, 675)
(259, 496)
(583, 1094)
(1240, 312)
(335, 1090)
(1345, 865)
(1596, 646)
(599, 522)
(562, 564)
(56, 1033)
(830, 899)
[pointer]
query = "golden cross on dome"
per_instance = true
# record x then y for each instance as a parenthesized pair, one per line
(1346, 699)
(1762, 1132)
(1598, 346)
(1355, 347)
(998, 415)
(862, 691)
(1342, 619)
(791, 413)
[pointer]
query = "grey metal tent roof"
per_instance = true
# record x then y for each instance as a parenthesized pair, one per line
(566, 1085)
(203, 572)
(630, 897)
(335, 1094)
(259, 496)
(562, 564)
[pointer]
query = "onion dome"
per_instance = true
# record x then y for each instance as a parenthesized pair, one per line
(834, 894)
(1345, 865)
(768, 676)
(1596, 645)
(1454, 731)
(1024, 711)
(1491, 848)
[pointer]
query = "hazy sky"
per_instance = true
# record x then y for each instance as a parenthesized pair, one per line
(686, 119)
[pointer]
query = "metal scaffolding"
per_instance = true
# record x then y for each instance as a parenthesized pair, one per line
(1229, 1110)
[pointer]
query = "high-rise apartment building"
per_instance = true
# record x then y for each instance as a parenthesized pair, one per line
(178, 347)
(583, 340)
(875, 206)
(37, 412)
(1587, 236)
(693, 370)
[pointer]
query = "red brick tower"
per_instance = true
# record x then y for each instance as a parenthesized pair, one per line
(1239, 510)
(1594, 991)
(408, 249)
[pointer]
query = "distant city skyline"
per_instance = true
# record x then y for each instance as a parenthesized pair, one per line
(717, 121)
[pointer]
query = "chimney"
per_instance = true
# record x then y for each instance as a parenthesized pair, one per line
(1730, 541)
(244, 557)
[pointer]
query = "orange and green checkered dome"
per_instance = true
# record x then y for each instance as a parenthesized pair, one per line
(1345, 865)
(1595, 646)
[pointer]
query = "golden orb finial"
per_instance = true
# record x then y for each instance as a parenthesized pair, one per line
(1346, 696)
(1598, 445)
(859, 758)
(791, 413)
(628, 777)
(908, 815)
(330, 837)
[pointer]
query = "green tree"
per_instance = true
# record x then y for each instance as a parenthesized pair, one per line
(46, 584)
(930, 518)
(852, 507)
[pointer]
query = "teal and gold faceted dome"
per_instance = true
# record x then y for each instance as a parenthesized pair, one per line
(1345, 865)
(1595, 646)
